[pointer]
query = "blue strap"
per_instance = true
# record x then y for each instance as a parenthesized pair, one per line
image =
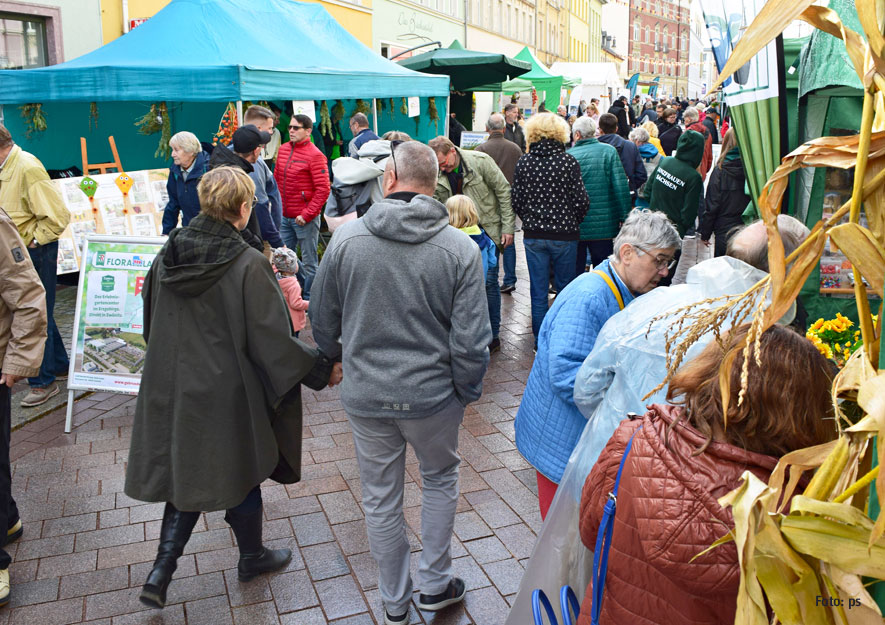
(538, 599)
(604, 539)
(568, 603)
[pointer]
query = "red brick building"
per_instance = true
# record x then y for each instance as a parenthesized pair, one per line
(659, 39)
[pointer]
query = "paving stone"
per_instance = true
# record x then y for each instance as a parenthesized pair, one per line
(358, 619)
(113, 518)
(496, 514)
(312, 529)
(110, 557)
(114, 603)
(293, 591)
(468, 525)
(519, 539)
(291, 507)
(38, 591)
(218, 560)
(314, 616)
(196, 587)
(352, 537)
(69, 525)
(44, 547)
(486, 550)
(467, 569)
(171, 615)
(246, 593)
(264, 613)
(365, 569)
(212, 611)
(110, 537)
(209, 541)
(68, 564)
(81, 505)
(340, 507)
(325, 561)
(340, 597)
(487, 606)
(505, 575)
(57, 613)
(93, 582)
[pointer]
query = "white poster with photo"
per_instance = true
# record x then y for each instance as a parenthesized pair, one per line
(414, 107)
(305, 107)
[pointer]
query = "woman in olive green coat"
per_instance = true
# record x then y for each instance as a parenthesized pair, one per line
(219, 409)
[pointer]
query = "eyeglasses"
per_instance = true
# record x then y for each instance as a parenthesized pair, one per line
(295, 127)
(661, 262)
(393, 146)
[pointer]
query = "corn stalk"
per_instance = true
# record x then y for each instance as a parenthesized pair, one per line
(805, 553)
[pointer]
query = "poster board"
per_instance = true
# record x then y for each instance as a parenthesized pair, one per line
(470, 140)
(139, 213)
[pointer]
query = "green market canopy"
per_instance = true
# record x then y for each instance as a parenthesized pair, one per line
(539, 77)
(223, 51)
(467, 68)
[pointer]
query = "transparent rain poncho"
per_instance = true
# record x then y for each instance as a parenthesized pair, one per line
(624, 365)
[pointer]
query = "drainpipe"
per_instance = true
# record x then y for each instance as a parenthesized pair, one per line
(125, 16)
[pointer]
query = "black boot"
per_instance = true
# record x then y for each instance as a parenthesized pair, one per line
(255, 558)
(174, 534)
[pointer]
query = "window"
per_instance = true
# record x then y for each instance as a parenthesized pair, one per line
(22, 41)
(636, 34)
(646, 34)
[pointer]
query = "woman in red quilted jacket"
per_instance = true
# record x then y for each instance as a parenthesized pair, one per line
(682, 460)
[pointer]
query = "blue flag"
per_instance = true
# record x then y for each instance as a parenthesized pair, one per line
(632, 84)
(653, 88)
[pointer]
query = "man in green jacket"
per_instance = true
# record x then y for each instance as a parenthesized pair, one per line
(608, 189)
(476, 175)
(675, 185)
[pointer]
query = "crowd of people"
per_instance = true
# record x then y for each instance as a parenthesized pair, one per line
(405, 309)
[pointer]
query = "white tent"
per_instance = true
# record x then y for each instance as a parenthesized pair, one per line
(597, 80)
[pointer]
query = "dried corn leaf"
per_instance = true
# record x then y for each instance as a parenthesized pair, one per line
(852, 586)
(837, 511)
(771, 21)
(864, 252)
(866, 13)
(874, 202)
(845, 546)
(790, 584)
(798, 462)
(871, 398)
(746, 507)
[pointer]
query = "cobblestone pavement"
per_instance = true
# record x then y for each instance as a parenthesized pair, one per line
(87, 547)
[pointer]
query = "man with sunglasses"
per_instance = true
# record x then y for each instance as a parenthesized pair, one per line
(302, 174)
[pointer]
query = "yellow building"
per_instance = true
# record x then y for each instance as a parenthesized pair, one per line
(595, 43)
(579, 31)
(551, 43)
(354, 15)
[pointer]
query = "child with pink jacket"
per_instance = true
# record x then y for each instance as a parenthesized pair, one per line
(286, 262)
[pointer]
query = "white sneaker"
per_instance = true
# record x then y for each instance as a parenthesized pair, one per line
(4, 587)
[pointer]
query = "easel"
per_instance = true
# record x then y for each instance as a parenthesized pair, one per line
(101, 168)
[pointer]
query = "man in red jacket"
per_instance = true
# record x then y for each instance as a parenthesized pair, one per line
(302, 175)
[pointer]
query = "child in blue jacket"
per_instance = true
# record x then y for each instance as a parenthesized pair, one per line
(463, 216)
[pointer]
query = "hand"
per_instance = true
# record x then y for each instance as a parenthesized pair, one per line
(707, 242)
(9, 379)
(300, 220)
(337, 374)
(506, 240)
(33, 244)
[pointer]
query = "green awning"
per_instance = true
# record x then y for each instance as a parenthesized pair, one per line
(467, 68)
(539, 77)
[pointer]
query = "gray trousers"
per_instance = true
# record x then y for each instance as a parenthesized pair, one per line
(381, 454)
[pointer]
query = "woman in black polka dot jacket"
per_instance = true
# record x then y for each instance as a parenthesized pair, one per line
(549, 196)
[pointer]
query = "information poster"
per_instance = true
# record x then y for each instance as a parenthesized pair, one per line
(139, 213)
(109, 346)
(470, 140)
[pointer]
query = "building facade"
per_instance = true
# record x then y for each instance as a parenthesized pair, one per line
(615, 38)
(596, 44)
(579, 31)
(400, 25)
(551, 44)
(697, 42)
(354, 15)
(659, 32)
(45, 32)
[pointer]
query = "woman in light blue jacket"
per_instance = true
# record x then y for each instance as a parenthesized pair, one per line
(548, 423)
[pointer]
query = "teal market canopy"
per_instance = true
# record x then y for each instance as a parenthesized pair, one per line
(224, 51)
(467, 68)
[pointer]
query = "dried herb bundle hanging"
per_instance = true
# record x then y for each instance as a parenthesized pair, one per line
(150, 122)
(93, 115)
(325, 120)
(338, 111)
(391, 109)
(361, 107)
(164, 150)
(35, 119)
(404, 107)
(433, 113)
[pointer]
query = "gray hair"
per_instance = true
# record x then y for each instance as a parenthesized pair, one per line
(396, 135)
(416, 166)
(585, 126)
(691, 113)
(186, 141)
(753, 250)
(360, 120)
(496, 122)
(639, 135)
(647, 229)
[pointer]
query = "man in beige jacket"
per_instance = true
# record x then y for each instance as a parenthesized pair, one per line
(22, 335)
(36, 207)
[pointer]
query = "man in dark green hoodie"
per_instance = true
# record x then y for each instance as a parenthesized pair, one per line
(675, 186)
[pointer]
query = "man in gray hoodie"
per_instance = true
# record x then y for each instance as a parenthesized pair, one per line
(400, 298)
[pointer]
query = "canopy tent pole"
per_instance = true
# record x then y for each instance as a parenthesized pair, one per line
(375, 115)
(448, 113)
(239, 113)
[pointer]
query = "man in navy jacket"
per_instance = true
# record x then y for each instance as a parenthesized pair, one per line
(627, 150)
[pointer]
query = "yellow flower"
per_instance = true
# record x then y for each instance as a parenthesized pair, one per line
(817, 324)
